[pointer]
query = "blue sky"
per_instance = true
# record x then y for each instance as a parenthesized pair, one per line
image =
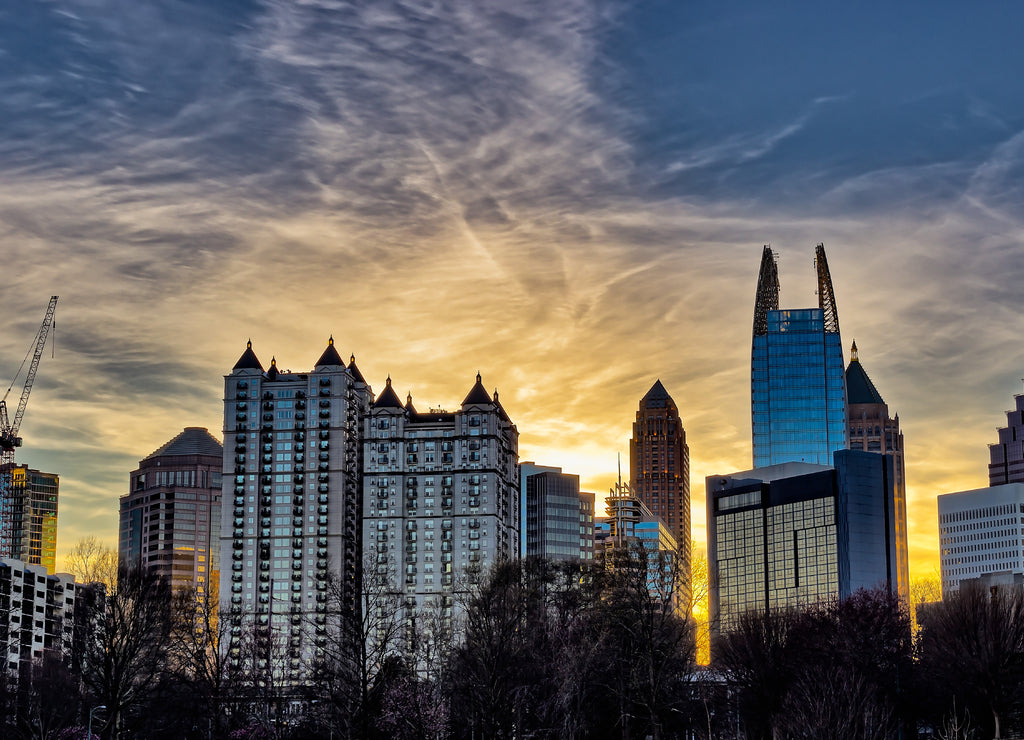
(570, 197)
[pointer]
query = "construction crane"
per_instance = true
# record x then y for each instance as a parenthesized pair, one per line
(9, 439)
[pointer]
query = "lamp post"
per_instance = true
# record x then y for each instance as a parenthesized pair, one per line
(101, 706)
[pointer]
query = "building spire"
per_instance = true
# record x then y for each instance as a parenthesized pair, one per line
(853, 352)
(767, 298)
(826, 295)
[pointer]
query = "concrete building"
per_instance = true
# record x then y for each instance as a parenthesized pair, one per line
(659, 468)
(526, 469)
(1006, 457)
(171, 515)
(871, 429)
(37, 614)
(981, 534)
(797, 382)
(798, 533)
(33, 511)
(440, 497)
(290, 547)
(559, 520)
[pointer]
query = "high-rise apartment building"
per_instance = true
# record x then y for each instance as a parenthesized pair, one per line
(871, 429)
(440, 496)
(290, 547)
(798, 393)
(559, 520)
(33, 511)
(659, 467)
(799, 533)
(171, 515)
(37, 613)
(1006, 457)
(981, 534)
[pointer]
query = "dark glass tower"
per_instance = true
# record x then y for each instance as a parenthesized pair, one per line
(797, 378)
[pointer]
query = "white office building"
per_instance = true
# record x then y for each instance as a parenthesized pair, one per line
(981, 533)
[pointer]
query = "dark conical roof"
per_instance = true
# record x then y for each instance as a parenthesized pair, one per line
(272, 370)
(657, 397)
(192, 441)
(501, 409)
(354, 371)
(859, 388)
(388, 398)
(477, 394)
(248, 360)
(330, 357)
(408, 404)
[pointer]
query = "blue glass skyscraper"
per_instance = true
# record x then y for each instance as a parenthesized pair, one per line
(797, 377)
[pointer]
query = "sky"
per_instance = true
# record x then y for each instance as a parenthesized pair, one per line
(569, 197)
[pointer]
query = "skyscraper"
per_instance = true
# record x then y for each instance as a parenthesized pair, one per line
(170, 517)
(290, 521)
(798, 394)
(33, 510)
(659, 467)
(871, 429)
(1006, 457)
(559, 520)
(799, 533)
(440, 497)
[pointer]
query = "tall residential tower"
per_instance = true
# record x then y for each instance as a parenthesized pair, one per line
(290, 547)
(440, 497)
(798, 393)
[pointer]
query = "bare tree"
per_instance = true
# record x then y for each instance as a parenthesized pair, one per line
(199, 658)
(91, 561)
(971, 649)
(126, 655)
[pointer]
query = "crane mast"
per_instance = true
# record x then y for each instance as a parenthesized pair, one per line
(9, 439)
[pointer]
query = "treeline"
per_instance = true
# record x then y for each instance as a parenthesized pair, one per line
(543, 650)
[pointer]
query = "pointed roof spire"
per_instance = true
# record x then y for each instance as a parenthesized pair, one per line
(853, 352)
(859, 388)
(408, 404)
(477, 394)
(501, 409)
(248, 360)
(388, 398)
(330, 357)
(354, 371)
(272, 370)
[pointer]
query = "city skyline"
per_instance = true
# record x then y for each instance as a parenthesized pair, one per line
(571, 200)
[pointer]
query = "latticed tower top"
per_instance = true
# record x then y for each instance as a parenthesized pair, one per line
(767, 291)
(826, 296)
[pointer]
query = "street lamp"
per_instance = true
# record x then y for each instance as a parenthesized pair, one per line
(101, 706)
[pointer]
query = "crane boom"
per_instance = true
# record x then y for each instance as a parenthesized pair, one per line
(9, 438)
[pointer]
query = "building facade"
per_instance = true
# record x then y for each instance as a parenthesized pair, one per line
(1006, 457)
(871, 429)
(290, 546)
(659, 467)
(170, 519)
(797, 380)
(981, 534)
(440, 497)
(559, 520)
(797, 533)
(33, 511)
(630, 528)
(37, 614)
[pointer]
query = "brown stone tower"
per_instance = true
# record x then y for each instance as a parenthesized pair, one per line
(659, 466)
